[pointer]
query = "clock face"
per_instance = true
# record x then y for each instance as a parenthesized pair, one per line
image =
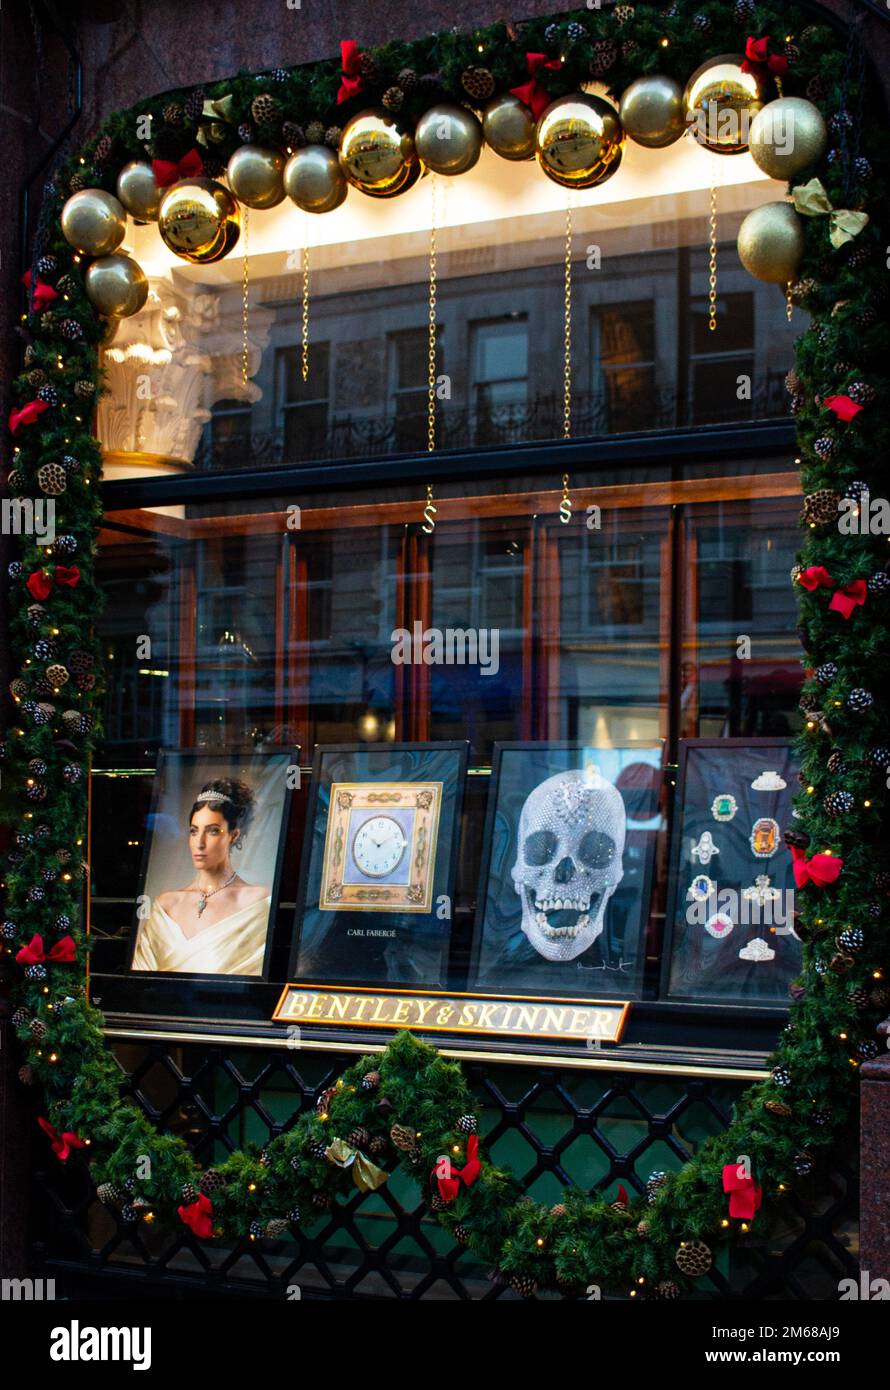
(378, 846)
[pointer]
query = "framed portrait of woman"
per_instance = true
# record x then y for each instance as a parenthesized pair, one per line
(212, 864)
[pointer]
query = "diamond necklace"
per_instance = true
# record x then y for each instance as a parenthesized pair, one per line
(202, 901)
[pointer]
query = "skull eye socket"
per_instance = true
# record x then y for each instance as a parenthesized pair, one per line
(596, 850)
(540, 847)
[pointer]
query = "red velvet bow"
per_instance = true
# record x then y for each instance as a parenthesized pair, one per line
(198, 1216)
(27, 415)
(40, 583)
(757, 55)
(351, 82)
(449, 1187)
(43, 294)
(845, 599)
(745, 1194)
(843, 407)
(821, 870)
(167, 171)
(33, 954)
(532, 93)
(63, 1143)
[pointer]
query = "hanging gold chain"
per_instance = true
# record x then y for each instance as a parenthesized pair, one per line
(567, 352)
(429, 512)
(245, 307)
(304, 363)
(565, 506)
(712, 261)
(789, 305)
(431, 341)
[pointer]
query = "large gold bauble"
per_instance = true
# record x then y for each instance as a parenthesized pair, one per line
(579, 141)
(199, 220)
(721, 101)
(314, 180)
(448, 138)
(652, 111)
(138, 190)
(377, 155)
(116, 285)
(93, 222)
(787, 136)
(771, 242)
(255, 176)
(509, 127)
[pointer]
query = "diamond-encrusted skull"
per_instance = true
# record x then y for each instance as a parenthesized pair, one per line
(568, 861)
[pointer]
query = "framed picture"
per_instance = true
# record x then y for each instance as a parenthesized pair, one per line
(377, 881)
(729, 936)
(211, 864)
(567, 864)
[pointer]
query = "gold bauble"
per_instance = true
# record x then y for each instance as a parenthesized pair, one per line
(771, 241)
(255, 176)
(116, 285)
(198, 219)
(787, 136)
(138, 190)
(721, 101)
(314, 180)
(509, 127)
(93, 222)
(448, 139)
(579, 141)
(652, 111)
(377, 155)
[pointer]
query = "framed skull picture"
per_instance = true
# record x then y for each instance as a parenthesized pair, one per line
(566, 868)
(377, 882)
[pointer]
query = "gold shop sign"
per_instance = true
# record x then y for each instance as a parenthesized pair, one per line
(505, 1016)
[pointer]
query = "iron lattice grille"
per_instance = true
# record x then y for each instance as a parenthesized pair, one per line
(555, 1127)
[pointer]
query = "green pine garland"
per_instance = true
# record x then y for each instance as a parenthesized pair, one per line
(782, 1124)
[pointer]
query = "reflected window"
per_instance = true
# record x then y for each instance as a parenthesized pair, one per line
(717, 360)
(500, 379)
(303, 404)
(408, 359)
(622, 353)
(229, 435)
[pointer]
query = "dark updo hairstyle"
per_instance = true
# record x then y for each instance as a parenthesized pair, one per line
(235, 802)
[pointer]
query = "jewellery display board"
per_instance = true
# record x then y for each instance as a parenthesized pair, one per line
(377, 877)
(566, 868)
(729, 934)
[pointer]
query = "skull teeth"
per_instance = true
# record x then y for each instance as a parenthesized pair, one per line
(560, 933)
(562, 904)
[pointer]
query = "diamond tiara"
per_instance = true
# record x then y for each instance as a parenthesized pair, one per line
(213, 796)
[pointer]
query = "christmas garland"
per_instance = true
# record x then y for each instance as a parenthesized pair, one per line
(409, 1104)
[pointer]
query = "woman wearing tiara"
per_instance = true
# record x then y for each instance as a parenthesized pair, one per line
(217, 924)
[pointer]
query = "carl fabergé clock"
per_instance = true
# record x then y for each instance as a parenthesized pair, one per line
(380, 847)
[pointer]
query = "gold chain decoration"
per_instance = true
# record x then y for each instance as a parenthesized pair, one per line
(789, 305)
(712, 261)
(245, 307)
(304, 362)
(567, 354)
(431, 341)
(565, 506)
(429, 512)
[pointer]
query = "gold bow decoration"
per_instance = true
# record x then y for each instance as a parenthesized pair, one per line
(214, 117)
(811, 200)
(367, 1176)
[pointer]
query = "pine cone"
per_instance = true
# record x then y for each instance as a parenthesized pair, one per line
(293, 135)
(478, 83)
(211, 1182)
(358, 1138)
(524, 1284)
(103, 149)
(173, 114)
(370, 1081)
(189, 1193)
(315, 133)
(332, 136)
(605, 56)
(276, 1227)
(84, 389)
(264, 109)
(694, 1258)
(407, 80)
(467, 1124)
(394, 99)
(368, 67)
(107, 1193)
(402, 1137)
(245, 134)
(194, 106)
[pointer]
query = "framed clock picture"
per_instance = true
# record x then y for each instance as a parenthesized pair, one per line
(379, 858)
(729, 932)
